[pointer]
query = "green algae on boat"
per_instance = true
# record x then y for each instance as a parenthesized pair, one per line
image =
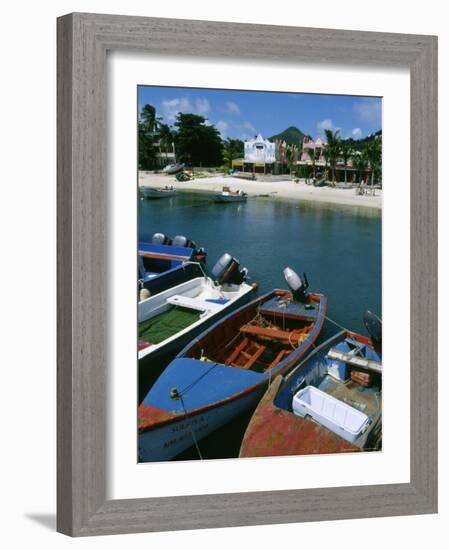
(161, 327)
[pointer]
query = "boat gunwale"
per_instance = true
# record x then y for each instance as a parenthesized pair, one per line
(268, 399)
(286, 363)
(153, 348)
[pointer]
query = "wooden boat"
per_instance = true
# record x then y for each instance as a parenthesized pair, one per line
(174, 317)
(158, 192)
(226, 370)
(174, 168)
(165, 262)
(330, 403)
(230, 196)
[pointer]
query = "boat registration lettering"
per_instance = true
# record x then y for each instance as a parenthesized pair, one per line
(201, 425)
(184, 425)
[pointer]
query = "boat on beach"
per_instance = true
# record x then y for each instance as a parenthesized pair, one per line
(174, 168)
(225, 370)
(164, 263)
(158, 192)
(231, 196)
(330, 403)
(174, 317)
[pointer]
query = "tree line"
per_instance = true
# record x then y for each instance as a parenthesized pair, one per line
(196, 142)
(364, 156)
(192, 138)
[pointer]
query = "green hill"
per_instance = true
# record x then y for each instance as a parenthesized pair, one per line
(291, 135)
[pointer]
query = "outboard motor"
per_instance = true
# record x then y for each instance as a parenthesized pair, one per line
(180, 240)
(227, 270)
(374, 327)
(297, 285)
(160, 238)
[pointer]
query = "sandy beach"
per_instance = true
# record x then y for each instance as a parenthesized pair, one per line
(278, 190)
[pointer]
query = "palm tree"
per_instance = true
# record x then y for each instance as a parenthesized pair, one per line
(232, 149)
(373, 153)
(165, 138)
(346, 153)
(333, 149)
(360, 163)
(148, 119)
(290, 154)
(326, 162)
(314, 155)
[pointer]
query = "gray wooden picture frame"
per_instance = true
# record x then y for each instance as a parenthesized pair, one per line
(83, 41)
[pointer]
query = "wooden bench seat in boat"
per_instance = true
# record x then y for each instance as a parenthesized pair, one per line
(268, 332)
(354, 360)
(193, 303)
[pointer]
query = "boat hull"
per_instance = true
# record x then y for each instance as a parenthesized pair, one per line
(173, 168)
(274, 430)
(168, 441)
(165, 433)
(172, 277)
(230, 198)
(152, 194)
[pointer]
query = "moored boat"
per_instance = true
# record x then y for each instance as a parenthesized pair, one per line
(158, 192)
(226, 370)
(174, 317)
(330, 403)
(231, 196)
(165, 262)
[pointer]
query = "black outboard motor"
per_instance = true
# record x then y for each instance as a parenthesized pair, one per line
(227, 270)
(297, 285)
(374, 327)
(160, 238)
(180, 240)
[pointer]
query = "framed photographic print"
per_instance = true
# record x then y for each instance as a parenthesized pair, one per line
(256, 207)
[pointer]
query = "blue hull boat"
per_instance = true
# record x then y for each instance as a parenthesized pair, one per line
(225, 371)
(330, 403)
(164, 263)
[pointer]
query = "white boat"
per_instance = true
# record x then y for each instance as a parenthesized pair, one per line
(231, 196)
(158, 192)
(173, 168)
(170, 320)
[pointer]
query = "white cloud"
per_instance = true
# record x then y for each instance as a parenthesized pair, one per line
(171, 107)
(202, 106)
(325, 124)
(232, 108)
(247, 130)
(369, 110)
(356, 133)
(222, 126)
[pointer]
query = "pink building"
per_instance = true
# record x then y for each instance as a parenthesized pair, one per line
(307, 146)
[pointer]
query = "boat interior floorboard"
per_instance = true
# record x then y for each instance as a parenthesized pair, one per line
(366, 400)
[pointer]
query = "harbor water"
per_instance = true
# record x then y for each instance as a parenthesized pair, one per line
(338, 247)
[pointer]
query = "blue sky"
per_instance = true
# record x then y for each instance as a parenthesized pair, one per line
(241, 115)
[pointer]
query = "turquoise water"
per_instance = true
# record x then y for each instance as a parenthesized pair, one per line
(338, 247)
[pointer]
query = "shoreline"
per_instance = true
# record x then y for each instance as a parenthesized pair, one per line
(284, 190)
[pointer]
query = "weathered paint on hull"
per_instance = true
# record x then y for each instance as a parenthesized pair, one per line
(170, 440)
(271, 432)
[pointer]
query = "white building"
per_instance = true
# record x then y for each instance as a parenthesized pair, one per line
(261, 156)
(260, 150)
